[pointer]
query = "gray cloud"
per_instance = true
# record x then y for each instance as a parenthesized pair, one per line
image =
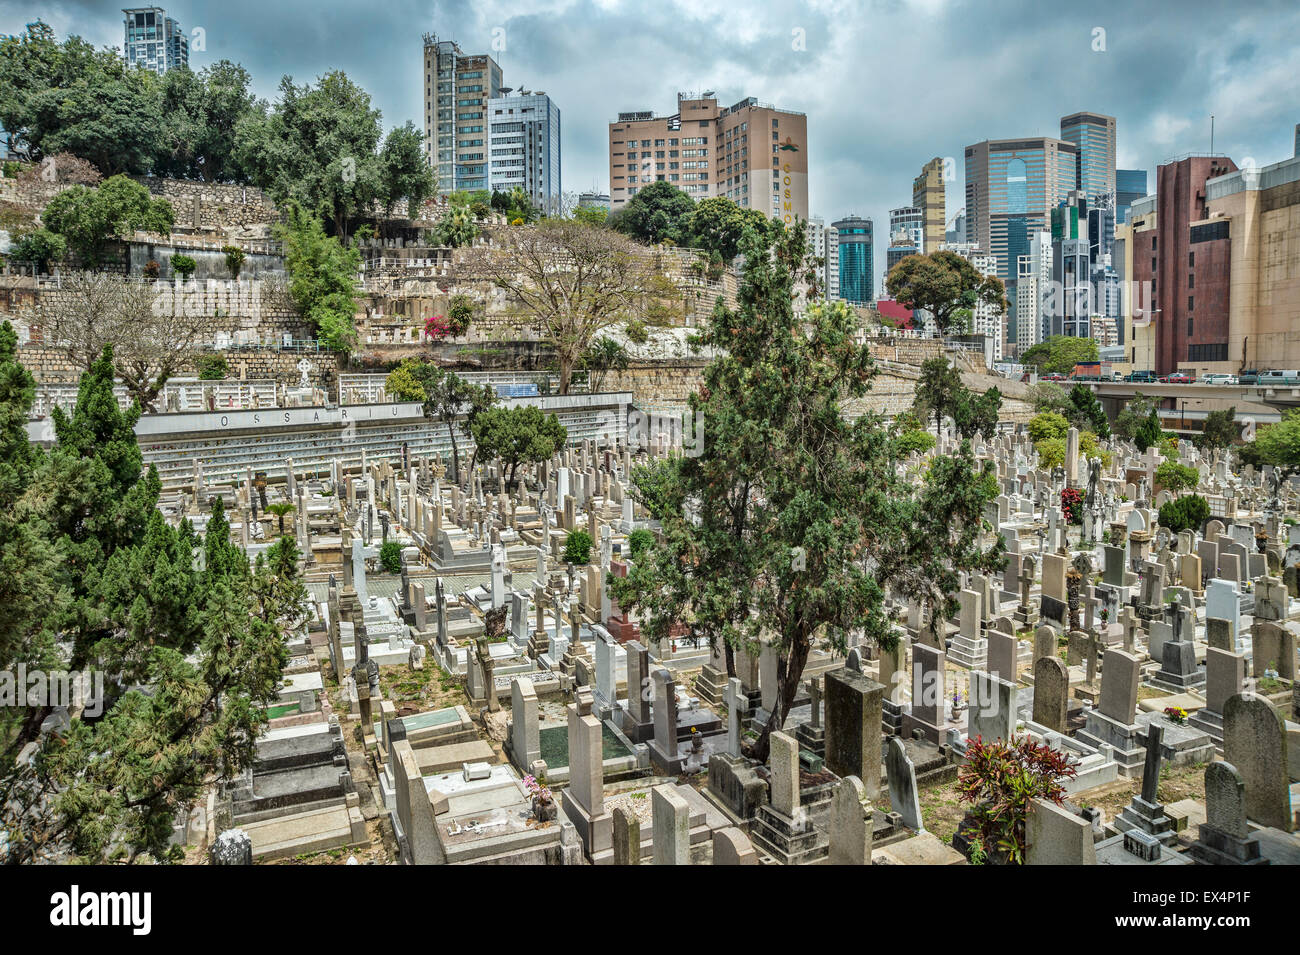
(886, 85)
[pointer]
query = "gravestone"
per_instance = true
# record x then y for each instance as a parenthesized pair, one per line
(627, 837)
(903, 794)
(991, 714)
(1255, 743)
(525, 743)
(1225, 837)
(1056, 836)
(732, 847)
(1273, 648)
(929, 702)
(671, 815)
(853, 728)
(783, 761)
(1051, 692)
(851, 824)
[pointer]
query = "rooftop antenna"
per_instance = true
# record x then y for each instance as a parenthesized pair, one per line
(1211, 134)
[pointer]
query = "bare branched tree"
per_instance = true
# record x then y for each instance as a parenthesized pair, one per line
(574, 279)
(153, 335)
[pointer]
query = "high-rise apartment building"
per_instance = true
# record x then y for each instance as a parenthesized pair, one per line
(1033, 285)
(524, 147)
(987, 320)
(855, 238)
(752, 153)
(1130, 185)
(957, 233)
(831, 253)
(1012, 186)
(1071, 304)
(928, 196)
(457, 88)
(906, 235)
(154, 40)
(1094, 135)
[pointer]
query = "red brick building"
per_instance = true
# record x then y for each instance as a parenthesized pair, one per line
(1183, 251)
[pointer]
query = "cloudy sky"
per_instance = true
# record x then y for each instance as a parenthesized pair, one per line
(886, 84)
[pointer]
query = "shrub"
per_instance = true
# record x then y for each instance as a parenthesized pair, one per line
(390, 557)
(234, 259)
(1000, 779)
(577, 547)
(913, 440)
(636, 332)
(639, 541)
(1048, 425)
(1175, 477)
(152, 269)
(1189, 512)
(213, 367)
(184, 266)
(1072, 505)
(460, 313)
(40, 247)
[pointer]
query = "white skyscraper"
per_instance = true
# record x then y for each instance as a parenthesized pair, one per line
(1033, 286)
(154, 40)
(524, 147)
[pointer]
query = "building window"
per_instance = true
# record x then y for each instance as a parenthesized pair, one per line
(1189, 326)
(1191, 259)
(1191, 280)
(1189, 303)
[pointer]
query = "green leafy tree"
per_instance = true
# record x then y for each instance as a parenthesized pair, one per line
(69, 97)
(718, 224)
(1221, 429)
(601, 357)
(1049, 396)
(1133, 416)
(517, 435)
(402, 384)
(456, 229)
(1279, 444)
(790, 522)
(1149, 433)
(213, 368)
(591, 215)
(1175, 477)
(978, 414)
(1060, 353)
(88, 218)
(450, 399)
(317, 147)
(939, 390)
(577, 547)
(403, 171)
(200, 113)
(460, 313)
(1048, 425)
(1087, 412)
(946, 285)
(658, 212)
(322, 278)
(40, 247)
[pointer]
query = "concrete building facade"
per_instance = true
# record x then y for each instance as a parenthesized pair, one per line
(929, 197)
(752, 153)
(524, 147)
(457, 88)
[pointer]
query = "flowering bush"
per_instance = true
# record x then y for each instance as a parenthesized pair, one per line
(999, 780)
(436, 328)
(1072, 505)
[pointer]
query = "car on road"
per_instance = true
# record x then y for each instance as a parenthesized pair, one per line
(1054, 376)
(1248, 376)
(1219, 379)
(1178, 378)
(1140, 376)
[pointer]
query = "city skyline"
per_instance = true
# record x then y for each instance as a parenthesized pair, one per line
(1161, 78)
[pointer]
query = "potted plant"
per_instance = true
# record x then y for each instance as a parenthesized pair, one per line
(543, 801)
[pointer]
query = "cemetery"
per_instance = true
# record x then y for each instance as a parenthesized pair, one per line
(490, 702)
